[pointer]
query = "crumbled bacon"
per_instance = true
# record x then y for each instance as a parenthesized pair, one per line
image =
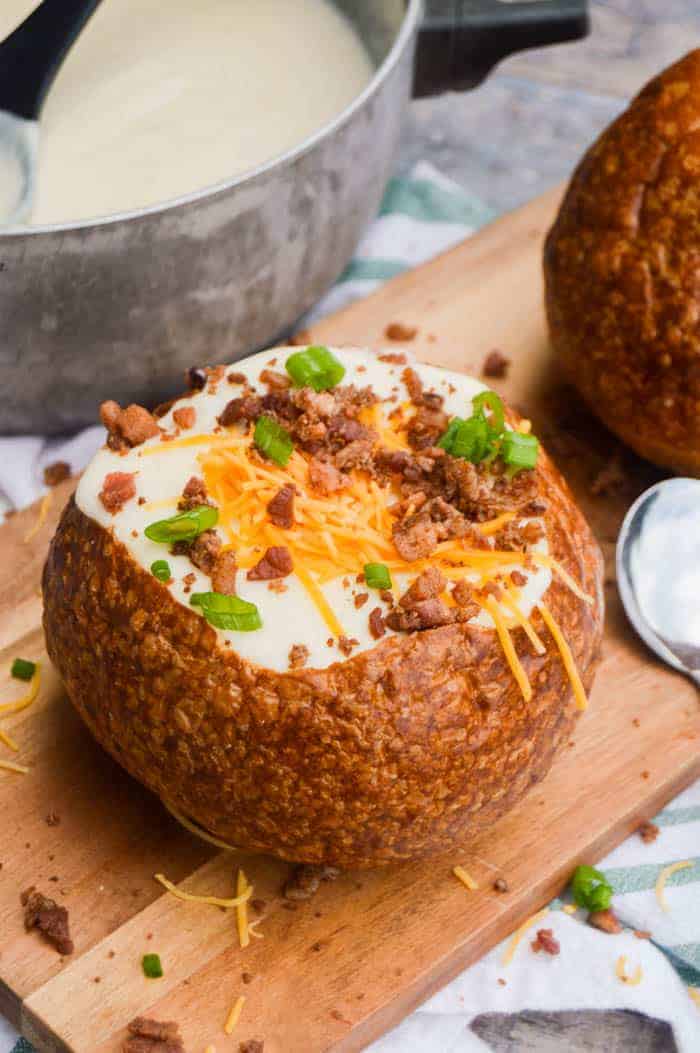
(357, 454)
(417, 535)
(275, 381)
(463, 595)
(237, 378)
(495, 365)
(252, 1045)
(223, 576)
(605, 920)
(244, 409)
(127, 427)
(346, 645)
(400, 332)
(117, 489)
(281, 508)
(194, 495)
(426, 614)
(325, 477)
(152, 1036)
(428, 424)
(393, 358)
(298, 655)
(276, 563)
(546, 942)
(376, 623)
(361, 599)
(205, 550)
(49, 918)
(184, 417)
(56, 473)
(426, 586)
(305, 879)
(648, 832)
(518, 578)
(414, 385)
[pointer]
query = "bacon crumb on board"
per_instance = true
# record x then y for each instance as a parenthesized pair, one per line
(545, 941)
(501, 885)
(648, 832)
(495, 365)
(298, 656)
(152, 1036)
(605, 920)
(251, 1045)
(276, 563)
(56, 473)
(400, 332)
(185, 416)
(48, 917)
(305, 879)
(117, 489)
(53, 819)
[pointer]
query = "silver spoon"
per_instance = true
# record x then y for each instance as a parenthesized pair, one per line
(29, 60)
(658, 571)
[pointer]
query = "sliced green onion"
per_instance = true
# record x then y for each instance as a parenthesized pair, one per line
(469, 439)
(315, 368)
(227, 612)
(22, 669)
(151, 966)
(161, 570)
(273, 440)
(377, 576)
(590, 889)
(185, 526)
(519, 451)
(445, 442)
(493, 402)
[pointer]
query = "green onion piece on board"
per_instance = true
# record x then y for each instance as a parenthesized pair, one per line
(185, 526)
(519, 451)
(494, 402)
(377, 576)
(227, 612)
(151, 966)
(590, 889)
(22, 669)
(273, 440)
(315, 368)
(161, 570)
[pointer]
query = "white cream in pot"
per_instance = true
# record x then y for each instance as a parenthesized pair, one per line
(158, 99)
(288, 617)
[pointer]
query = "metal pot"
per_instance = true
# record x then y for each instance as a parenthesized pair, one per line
(119, 307)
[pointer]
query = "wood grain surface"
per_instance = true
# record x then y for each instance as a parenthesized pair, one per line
(335, 972)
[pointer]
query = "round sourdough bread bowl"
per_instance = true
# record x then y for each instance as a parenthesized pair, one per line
(622, 272)
(357, 726)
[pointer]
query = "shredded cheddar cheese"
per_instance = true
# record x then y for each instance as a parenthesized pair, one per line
(234, 1015)
(8, 765)
(212, 901)
(253, 929)
(465, 877)
(242, 887)
(566, 657)
(192, 828)
(508, 648)
(44, 507)
(569, 908)
(8, 741)
(621, 972)
(663, 877)
(524, 623)
(27, 699)
(694, 993)
(519, 933)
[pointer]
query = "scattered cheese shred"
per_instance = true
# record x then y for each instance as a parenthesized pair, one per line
(234, 1015)
(548, 561)
(694, 993)
(213, 901)
(508, 648)
(253, 929)
(569, 908)
(26, 700)
(519, 933)
(523, 622)
(566, 656)
(465, 877)
(663, 877)
(324, 608)
(192, 828)
(41, 517)
(621, 972)
(242, 908)
(8, 765)
(8, 741)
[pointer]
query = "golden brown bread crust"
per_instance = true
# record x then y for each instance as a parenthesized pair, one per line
(622, 271)
(397, 752)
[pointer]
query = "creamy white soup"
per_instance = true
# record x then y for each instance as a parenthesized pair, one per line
(157, 99)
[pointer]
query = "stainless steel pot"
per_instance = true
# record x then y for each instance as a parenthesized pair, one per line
(119, 307)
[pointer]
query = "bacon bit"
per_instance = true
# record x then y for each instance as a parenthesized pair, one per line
(301, 339)
(325, 477)
(275, 381)
(393, 358)
(246, 409)
(194, 495)
(501, 885)
(376, 623)
(152, 1036)
(205, 550)
(361, 599)
(648, 832)
(56, 473)
(223, 576)
(641, 934)
(546, 942)
(305, 879)
(518, 579)
(346, 644)
(117, 489)
(281, 508)
(276, 563)
(127, 427)
(495, 365)
(298, 655)
(400, 332)
(185, 416)
(48, 917)
(53, 819)
(605, 920)
(252, 1045)
(237, 378)
(427, 586)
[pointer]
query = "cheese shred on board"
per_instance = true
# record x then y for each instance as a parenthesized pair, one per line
(213, 901)
(519, 933)
(234, 1015)
(8, 765)
(621, 972)
(44, 507)
(8, 741)
(27, 699)
(663, 877)
(465, 877)
(242, 887)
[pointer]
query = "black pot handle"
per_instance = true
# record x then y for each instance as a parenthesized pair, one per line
(461, 41)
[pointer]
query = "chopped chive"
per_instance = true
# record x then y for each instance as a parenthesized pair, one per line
(185, 526)
(590, 889)
(161, 570)
(377, 576)
(316, 368)
(519, 451)
(151, 966)
(493, 402)
(227, 612)
(273, 440)
(22, 669)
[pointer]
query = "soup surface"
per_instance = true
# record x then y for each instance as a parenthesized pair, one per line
(157, 100)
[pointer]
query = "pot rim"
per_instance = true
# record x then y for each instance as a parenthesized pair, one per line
(414, 10)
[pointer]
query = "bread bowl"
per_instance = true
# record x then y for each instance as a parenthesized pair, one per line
(339, 722)
(622, 270)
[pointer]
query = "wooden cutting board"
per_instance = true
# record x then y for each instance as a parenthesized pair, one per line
(338, 971)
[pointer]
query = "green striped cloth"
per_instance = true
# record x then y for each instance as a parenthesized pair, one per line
(421, 216)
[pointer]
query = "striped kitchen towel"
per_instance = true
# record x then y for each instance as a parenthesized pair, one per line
(574, 1001)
